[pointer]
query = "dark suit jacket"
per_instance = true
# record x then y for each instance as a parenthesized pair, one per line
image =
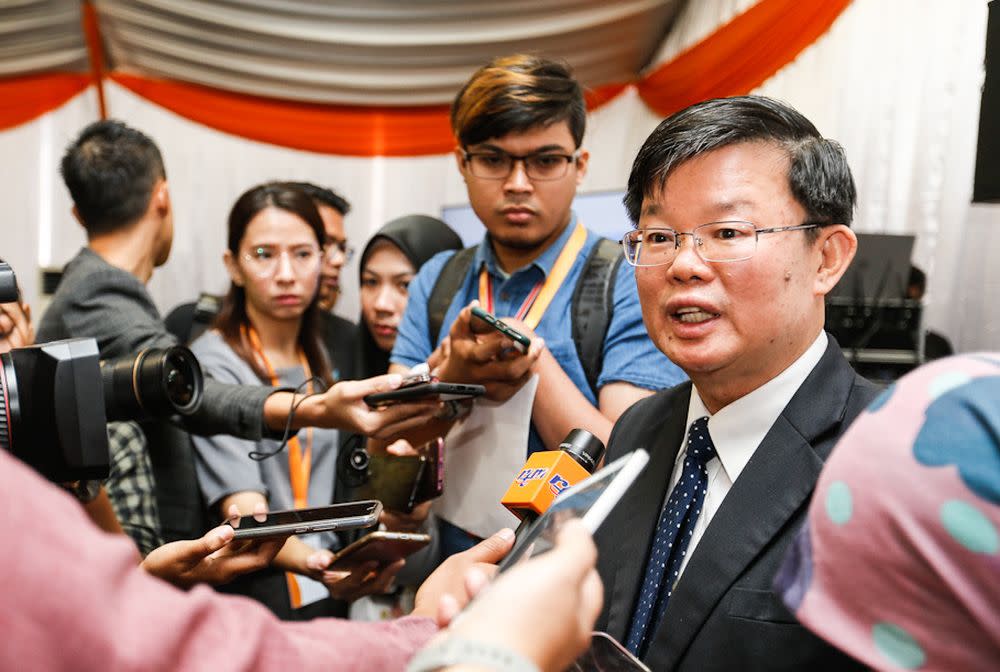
(723, 614)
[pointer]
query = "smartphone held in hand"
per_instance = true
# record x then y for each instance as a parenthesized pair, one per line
(521, 342)
(426, 392)
(347, 516)
(382, 547)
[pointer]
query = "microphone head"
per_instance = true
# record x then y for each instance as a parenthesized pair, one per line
(583, 447)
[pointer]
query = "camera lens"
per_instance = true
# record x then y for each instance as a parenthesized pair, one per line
(157, 383)
(352, 464)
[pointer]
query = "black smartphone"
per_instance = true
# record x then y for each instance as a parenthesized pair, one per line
(521, 342)
(382, 547)
(348, 516)
(424, 392)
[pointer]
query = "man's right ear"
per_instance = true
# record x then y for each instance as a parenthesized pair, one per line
(235, 273)
(161, 197)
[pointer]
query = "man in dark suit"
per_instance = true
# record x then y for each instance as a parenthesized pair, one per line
(742, 214)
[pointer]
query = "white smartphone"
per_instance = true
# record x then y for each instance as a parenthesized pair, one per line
(591, 500)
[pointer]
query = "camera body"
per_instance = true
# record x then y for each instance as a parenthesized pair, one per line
(56, 398)
(52, 408)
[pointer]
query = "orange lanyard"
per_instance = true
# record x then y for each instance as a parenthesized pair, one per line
(299, 460)
(541, 295)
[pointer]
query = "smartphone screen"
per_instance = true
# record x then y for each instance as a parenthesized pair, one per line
(351, 515)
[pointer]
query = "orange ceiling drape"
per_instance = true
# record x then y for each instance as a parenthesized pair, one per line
(25, 98)
(733, 60)
(327, 129)
(741, 55)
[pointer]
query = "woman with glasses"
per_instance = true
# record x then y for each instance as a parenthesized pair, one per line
(267, 333)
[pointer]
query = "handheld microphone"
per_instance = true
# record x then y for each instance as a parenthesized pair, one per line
(547, 473)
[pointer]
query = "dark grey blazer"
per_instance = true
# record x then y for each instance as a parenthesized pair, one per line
(97, 300)
(723, 614)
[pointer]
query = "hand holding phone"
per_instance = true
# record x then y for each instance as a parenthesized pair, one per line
(521, 342)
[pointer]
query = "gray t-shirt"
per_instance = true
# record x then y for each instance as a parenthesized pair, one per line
(223, 463)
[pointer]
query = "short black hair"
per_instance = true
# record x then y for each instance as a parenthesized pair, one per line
(517, 93)
(323, 196)
(818, 174)
(110, 171)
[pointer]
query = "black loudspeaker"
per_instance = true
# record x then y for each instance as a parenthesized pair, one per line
(986, 188)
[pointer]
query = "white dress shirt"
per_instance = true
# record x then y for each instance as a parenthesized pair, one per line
(737, 430)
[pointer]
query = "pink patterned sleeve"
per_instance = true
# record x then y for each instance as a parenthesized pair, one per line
(74, 598)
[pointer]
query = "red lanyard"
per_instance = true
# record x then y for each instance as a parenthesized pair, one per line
(299, 460)
(541, 295)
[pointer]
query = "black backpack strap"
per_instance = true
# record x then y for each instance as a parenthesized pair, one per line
(445, 287)
(593, 305)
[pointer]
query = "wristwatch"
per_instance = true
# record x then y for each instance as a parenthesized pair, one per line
(458, 651)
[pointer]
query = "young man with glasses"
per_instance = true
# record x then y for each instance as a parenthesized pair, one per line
(742, 213)
(519, 122)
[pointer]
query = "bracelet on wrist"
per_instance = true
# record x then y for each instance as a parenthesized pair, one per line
(460, 651)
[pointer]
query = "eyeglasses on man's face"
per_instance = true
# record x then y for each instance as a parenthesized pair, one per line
(713, 242)
(264, 261)
(498, 165)
(335, 250)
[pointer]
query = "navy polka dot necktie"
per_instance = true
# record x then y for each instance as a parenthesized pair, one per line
(673, 532)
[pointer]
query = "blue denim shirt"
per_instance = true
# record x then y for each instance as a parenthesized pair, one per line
(629, 354)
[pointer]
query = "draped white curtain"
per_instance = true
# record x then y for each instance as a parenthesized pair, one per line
(39, 35)
(385, 52)
(897, 84)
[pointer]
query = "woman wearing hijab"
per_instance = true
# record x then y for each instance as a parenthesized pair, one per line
(389, 262)
(898, 563)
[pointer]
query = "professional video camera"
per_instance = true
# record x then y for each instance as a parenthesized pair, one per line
(56, 398)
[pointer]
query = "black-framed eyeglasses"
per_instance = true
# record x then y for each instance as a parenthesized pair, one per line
(497, 165)
(332, 250)
(713, 242)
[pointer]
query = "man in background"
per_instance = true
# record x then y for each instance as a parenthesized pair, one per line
(339, 334)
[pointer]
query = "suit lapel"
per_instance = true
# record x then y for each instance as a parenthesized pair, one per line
(633, 521)
(775, 483)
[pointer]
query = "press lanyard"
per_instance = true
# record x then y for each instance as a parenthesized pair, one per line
(541, 295)
(299, 461)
